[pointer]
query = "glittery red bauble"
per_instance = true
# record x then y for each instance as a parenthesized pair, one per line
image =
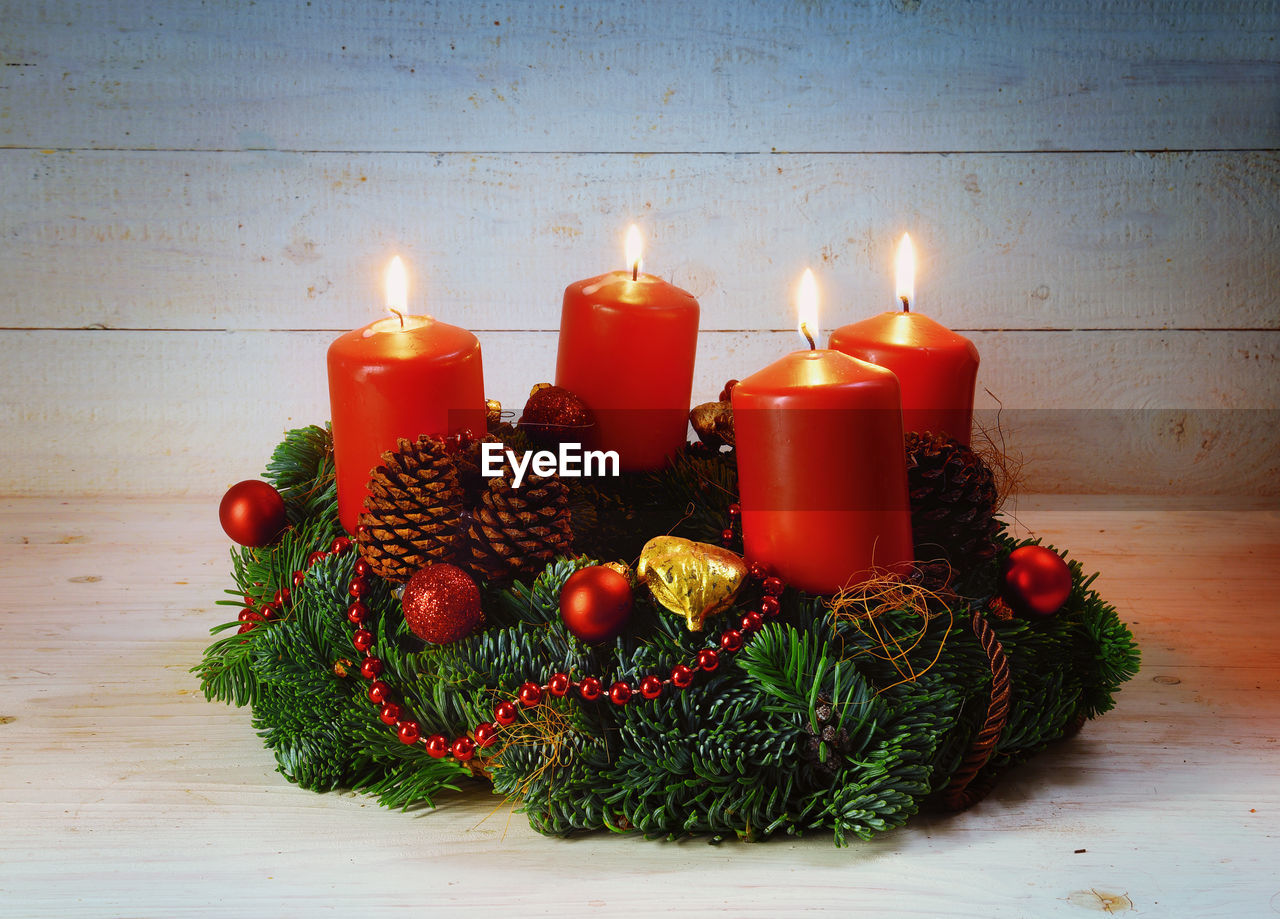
(1036, 581)
(554, 415)
(252, 513)
(442, 604)
(595, 604)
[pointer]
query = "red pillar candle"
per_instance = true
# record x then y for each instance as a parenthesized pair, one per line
(627, 345)
(398, 377)
(936, 367)
(822, 473)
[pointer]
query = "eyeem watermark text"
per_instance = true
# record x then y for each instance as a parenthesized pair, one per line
(571, 461)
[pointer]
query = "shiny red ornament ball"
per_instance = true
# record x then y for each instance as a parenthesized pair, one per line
(1036, 581)
(651, 687)
(620, 693)
(559, 684)
(486, 733)
(595, 604)
(590, 688)
(530, 694)
(681, 676)
(442, 604)
(463, 749)
(252, 513)
(554, 415)
(408, 732)
(437, 745)
(504, 713)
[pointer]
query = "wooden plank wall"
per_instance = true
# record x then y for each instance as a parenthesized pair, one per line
(198, 198)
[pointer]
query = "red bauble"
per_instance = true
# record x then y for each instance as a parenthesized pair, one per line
(1036, 581)
(442, 604)
(595, 604)
(554, 415)
(252, 513)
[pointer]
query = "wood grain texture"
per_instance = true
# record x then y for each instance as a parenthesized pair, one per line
(173, 413)
(269, 240)
(125, 793)
(733, 75)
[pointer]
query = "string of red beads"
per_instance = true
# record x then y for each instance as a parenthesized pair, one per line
(530, 694)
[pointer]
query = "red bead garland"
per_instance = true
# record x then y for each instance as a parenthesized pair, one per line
(530, 694)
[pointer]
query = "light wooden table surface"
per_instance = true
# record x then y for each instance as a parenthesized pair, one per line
(124, 793)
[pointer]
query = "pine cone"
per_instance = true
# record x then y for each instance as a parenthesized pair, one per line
(517, 531)
(413, 515)
(837, 741)
(953, 502)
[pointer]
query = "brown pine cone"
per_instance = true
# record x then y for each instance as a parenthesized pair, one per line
(953, 502)
(516, 531)
(413, 515)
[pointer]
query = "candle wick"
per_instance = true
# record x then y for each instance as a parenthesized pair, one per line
(399, 315)
(804, 330)
(635, 271)
(906, 304)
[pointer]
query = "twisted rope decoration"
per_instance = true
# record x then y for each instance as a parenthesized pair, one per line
(962, 791)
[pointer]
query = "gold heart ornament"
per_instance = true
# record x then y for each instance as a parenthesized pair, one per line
(694, 579)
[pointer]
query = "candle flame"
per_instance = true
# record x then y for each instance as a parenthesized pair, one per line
(807, 306)
(906, 265)
(635, 248)
(397, 284)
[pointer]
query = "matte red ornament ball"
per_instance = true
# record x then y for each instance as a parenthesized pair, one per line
(1035, 581)
(595, 604)
(442, 604)
(252, 513)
